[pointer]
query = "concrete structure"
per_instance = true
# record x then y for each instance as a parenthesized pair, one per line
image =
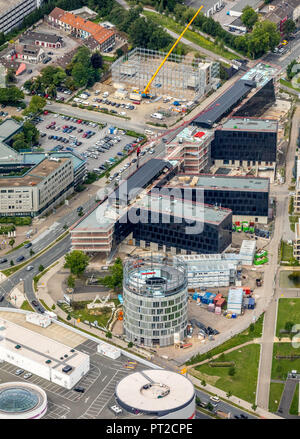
(194, 147)
(108, 350)
(41, 355)
(180, 78)
(35, 191)
(158, 393)
(78, 27)
(22, 401)
(155, 300)
(13, 12)
(38, 319)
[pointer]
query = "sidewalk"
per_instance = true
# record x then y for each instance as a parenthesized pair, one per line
(233, 399)
(42, 294)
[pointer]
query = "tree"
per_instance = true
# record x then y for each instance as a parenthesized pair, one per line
(289, 27)
(80, 75)
(288, 326)
(71, 281)
(231, 371)
(41, 268)
(209, 406)
(68, 317)
(290, 70)
(10, 76)
(37, 103)
(130, 344)
(263, 38)
(115, 279)
(31, 252)
(12, 263)
(12, 95)
(249, 17)
(76, 261)
(96, 60)
(53, 307)
(229, 394)
(203, 383)
(108, 334)
(254, 407)
(251, 327)
(12, 242)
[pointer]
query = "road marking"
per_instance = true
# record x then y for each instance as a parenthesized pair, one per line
(103, 379)
(86, 399)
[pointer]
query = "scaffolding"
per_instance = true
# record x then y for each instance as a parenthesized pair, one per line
(180, 77)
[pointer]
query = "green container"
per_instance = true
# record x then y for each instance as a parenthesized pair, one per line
(251, 230)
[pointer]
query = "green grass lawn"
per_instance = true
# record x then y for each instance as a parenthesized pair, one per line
(25, 305)
(294, 409)
(241, 338)
(287, 251)
(243, 383)
(288, 84)
(288, 311)
(281, 367)
(86, 314)
(276, 390)
(189, 35)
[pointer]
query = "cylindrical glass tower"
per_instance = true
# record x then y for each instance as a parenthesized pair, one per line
(155, 300)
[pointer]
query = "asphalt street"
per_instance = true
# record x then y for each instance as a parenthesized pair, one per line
(223, 406)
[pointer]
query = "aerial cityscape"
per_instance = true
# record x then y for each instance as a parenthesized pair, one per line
(150, 211)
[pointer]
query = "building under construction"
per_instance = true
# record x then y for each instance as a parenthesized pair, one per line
(180, 76)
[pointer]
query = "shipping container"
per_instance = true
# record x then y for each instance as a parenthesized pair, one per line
(211, 307)
(218, 310)
(218, 297)
(221, 302)
(247, 290)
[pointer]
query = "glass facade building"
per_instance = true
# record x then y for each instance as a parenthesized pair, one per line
(257, 104)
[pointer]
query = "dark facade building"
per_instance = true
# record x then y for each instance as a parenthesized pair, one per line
(163, 228)
(245, 143)
(248, 198)
(257, 104)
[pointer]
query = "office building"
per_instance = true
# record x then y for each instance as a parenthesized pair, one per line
(41, 355)
(155, 300)
(247, 197)
(13, 12)
(242, 142)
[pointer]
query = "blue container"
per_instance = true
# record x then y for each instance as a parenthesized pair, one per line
(195, 296)
(233, 316)
(120, 297)
(111, 130)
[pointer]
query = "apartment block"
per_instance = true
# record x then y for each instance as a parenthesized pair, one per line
(13, 12)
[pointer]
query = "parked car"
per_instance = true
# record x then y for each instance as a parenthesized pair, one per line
(27, 375)
(20, 258)
(1, 298)
(34, 303)
(79, 389)
(215, 398)
(116, 409)
(29, 244)
(19, 372)
(29, 268)
(2, 260)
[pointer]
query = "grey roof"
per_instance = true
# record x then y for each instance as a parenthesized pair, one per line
(224, 103)
(235, 183)
(243, 3)
(8, 127)
(249, 124)
(38, 36)
(140, 179)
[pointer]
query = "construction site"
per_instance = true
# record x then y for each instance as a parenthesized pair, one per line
(181, 77)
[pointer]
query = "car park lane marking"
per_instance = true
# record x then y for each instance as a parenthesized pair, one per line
(103, 379)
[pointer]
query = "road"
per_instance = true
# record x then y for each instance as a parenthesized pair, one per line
(271, 275)
(223, 406)
(46, 259)
(283, 61)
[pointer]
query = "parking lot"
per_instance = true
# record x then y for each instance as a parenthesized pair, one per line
(99, 387)
(96, 147)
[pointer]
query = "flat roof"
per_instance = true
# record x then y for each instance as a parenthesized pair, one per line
(37, 347)
(140, 179)
(41, 36)
(224, 103)
(35, 158)
(8, 127)
(235, 183)
(192, 134)
(261, 74)
(130, 390)
(34, 175)
(7, 5)
(243, 3)
(250, 124)
(183, 209)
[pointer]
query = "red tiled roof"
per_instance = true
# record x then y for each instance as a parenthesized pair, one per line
(57, 13)
(99, 33)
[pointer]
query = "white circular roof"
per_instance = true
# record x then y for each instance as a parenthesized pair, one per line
(166, 390)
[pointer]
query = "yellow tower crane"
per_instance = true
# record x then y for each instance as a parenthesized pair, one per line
(144, 93)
